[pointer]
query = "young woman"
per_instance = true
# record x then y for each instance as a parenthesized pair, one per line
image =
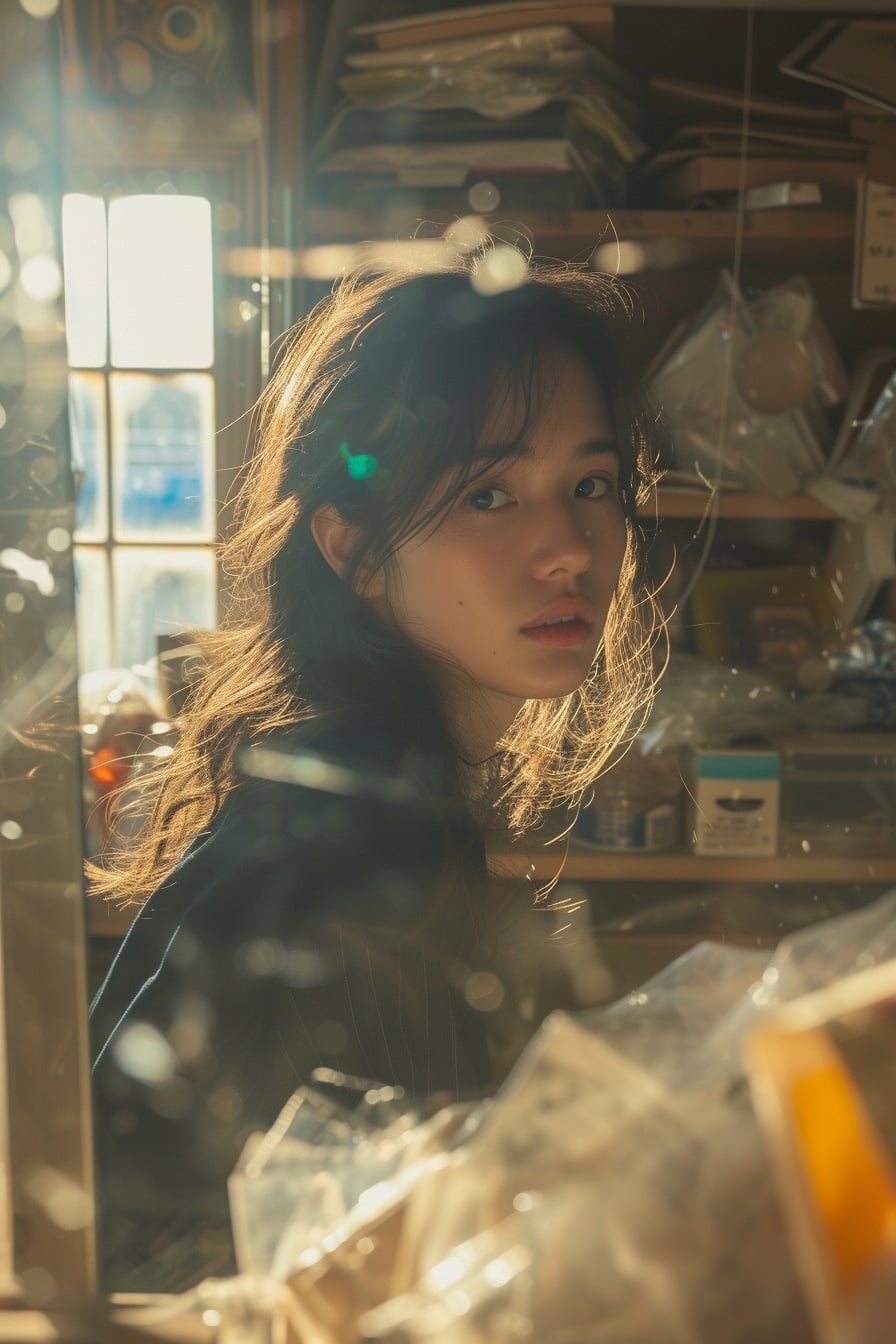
(436, 620)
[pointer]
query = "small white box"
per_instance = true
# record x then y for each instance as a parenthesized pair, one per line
(735, 802)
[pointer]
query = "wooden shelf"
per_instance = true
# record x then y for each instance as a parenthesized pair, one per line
(583, 864)
(782, 236)
(674, 503)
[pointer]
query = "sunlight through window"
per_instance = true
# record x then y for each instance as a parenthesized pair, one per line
(160, 592)
(139, 298)
(84, 266)
(160, 282)
(163, 436)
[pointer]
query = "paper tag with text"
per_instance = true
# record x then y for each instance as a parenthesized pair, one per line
(874, 275)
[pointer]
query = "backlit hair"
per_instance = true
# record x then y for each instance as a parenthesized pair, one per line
(376, 406)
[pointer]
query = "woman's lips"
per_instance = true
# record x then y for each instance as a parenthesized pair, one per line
(564, 633)
(565, 621)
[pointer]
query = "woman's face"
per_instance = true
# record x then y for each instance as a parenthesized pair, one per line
(515, 583)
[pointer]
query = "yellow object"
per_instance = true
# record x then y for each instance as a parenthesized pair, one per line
(850, 1179)
(836, 1173)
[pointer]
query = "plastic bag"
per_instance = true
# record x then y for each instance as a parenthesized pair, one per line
(617, 1188)
(745, 391)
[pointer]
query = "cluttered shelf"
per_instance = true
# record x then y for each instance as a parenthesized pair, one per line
(583, 864)
(587, 127)
(698, 235)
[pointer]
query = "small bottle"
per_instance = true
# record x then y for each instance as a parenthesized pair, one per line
(636, 806)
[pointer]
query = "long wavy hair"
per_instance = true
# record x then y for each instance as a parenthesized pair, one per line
(376, 405)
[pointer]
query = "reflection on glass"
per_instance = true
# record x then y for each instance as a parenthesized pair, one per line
(163, 450)
(87, 426)
(84, 264)
(160, 282)
(92, 609)
(160, 591)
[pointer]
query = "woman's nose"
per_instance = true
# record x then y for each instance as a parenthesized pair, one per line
(563, 544)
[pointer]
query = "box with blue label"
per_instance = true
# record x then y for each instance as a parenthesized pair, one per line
(735, 801)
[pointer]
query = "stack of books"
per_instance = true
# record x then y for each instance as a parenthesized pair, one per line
(786, 152)
(789, 153)
(492, 107)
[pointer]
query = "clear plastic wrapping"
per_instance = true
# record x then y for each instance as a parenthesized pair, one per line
(746, 390)
(617, 1188)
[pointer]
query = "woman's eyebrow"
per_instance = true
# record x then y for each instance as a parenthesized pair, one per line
(590, 448)
(596, 447)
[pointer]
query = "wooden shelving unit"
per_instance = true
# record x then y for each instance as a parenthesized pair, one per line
(779, 236)
(583, 864)
(589, 865)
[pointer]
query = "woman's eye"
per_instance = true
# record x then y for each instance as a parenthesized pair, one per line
(488, 499)
(593, 487)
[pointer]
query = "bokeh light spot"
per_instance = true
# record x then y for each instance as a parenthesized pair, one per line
(40, 9)
(143, 1053)
(484, 197)
(502, 269)
(483, 991)
(65, 1203)
(58, 539)
(41, 278)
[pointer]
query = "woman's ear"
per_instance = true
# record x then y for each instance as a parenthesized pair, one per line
(335, 539)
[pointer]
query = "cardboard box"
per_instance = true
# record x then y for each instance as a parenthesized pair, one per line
(735, 802)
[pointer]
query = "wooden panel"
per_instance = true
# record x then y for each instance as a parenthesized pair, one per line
(784, 236)
(673, 866)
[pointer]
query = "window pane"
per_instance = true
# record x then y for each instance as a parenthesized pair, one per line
(160, 282)
(160, 591)
(87, 421)
(84, 266)
(92, 609)
(163, 452)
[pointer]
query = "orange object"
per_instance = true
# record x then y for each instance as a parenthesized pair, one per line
(850, 1179)
(109, 764)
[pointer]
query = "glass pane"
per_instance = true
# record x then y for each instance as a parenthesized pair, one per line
(163, 454)
(160, 591)
(160, 282)
(87, 423)
(92, 610)
(84, 267)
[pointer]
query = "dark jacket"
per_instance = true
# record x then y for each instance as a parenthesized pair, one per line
(309, 927)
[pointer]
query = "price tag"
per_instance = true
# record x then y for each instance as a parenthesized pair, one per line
(874, 277)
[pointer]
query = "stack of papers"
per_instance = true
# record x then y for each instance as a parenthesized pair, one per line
(788, 153)
(481, 109)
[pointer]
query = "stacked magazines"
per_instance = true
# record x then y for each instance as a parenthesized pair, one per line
(505, 106)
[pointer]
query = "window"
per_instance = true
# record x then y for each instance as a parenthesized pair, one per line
(140, 332)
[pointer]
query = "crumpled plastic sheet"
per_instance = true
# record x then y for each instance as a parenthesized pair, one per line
(617, 1187)
(873, 455)
(700, 703)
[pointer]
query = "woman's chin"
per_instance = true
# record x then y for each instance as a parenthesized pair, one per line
(554, 688)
